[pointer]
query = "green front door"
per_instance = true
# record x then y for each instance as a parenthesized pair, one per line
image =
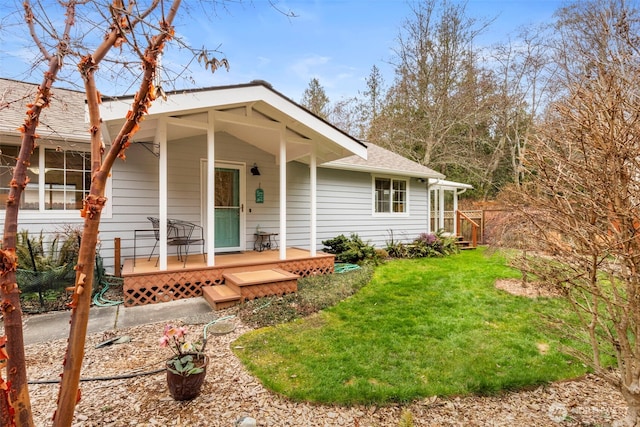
(227, 209)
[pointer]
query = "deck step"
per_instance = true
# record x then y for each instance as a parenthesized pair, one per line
(220, 297)
(262, 283)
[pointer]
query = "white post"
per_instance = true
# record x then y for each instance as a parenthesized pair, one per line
(161, 139)
(428, 207)
(441, 208)
(283, 196)
(211, 191)
(313, 180)
(455, 209)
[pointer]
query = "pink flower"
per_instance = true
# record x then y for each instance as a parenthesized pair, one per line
(174, 337)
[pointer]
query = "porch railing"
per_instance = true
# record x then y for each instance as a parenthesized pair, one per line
(461, 219)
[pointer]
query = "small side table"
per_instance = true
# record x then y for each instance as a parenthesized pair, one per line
(265, 240)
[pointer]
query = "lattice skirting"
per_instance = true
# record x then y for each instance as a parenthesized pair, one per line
(268, 289)
(151, 288)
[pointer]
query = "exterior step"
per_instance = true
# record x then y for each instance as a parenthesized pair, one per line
(262, 283)
(220, 297)
(463, 244)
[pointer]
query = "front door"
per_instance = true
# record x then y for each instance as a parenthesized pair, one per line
(229, 205)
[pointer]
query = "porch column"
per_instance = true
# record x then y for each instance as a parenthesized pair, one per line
(429, 231)
(283, 196)
(161, 139)
(313, 180)
(441, 208)
(455, 209)
(211, 190)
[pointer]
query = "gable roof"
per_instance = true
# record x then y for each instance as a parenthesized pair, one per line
(381, 160)
(253, 112)
(63, 120)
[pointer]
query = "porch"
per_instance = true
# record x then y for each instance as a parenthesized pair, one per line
(145, 283)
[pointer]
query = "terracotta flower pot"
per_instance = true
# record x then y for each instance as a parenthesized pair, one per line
(187, 387)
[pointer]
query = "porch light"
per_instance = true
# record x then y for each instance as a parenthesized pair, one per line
(254, 170)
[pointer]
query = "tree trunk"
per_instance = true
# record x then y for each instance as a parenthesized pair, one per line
(15, 406)
(69, 393)
(633, 408)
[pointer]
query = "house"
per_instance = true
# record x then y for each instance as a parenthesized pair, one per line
(246, 144)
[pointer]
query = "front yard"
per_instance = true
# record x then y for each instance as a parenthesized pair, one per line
(422, 327)
(365, 354)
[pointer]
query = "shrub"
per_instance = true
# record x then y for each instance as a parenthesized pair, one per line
(396, 249)
(47, 268)
(425, 245)
(351, 250)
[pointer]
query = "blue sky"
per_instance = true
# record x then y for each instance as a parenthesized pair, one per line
(336, 41)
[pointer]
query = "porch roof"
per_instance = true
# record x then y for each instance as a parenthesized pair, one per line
(253, 112)
(449, 185)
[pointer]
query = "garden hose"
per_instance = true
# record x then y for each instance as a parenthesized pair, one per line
(109, 378)
(134, 374)
(204, 331)
(343, 267)
(100, 301)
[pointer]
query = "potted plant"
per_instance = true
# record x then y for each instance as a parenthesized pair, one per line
(187, 367)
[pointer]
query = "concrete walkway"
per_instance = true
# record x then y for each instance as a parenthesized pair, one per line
(51, 326)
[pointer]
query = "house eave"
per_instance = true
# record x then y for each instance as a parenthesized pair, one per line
(449, 185)
(381, 171)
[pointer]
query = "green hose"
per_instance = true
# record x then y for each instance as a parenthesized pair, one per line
(99, 299)
(204, 331)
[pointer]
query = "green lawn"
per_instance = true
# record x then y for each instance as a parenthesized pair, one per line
(422, 327)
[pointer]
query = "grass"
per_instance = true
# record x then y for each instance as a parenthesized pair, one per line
(315, 293)
(421, 327)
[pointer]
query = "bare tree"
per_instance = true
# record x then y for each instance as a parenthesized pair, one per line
(128, 24)
(15, 404)
(580, 201)
(435, 112)
(524, 79)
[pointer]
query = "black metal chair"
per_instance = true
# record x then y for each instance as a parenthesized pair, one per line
(189, 234)
(173, 236)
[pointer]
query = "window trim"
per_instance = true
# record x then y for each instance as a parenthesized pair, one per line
(59, 214)
(391, 179)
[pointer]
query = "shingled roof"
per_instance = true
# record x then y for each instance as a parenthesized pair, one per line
(63, 121)
(381, 160)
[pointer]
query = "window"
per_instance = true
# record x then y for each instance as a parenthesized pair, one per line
(390, 195)
(63, 185)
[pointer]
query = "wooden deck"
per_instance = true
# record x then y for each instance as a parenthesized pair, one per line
(144, 283)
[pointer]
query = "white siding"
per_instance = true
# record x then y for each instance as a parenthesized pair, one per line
(345, 206)
(135, 191)
(344, 199)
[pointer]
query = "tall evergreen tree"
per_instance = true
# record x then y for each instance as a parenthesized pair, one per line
(315, 99)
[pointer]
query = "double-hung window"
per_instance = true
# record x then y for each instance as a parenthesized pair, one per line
(58, 179)
(390, 195)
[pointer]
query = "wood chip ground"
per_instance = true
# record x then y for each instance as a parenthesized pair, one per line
(230, 392)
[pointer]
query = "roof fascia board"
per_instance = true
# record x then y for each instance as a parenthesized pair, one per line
(449, 185)
(360, 168)
(306, 118)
